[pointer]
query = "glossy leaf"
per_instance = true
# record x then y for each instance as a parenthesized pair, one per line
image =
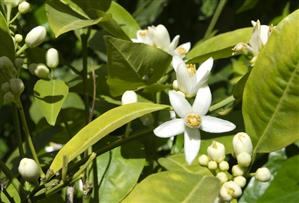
(132, 65)
(285, 186)
(49, 97)
(6, 40)
(100, 127)
(219, 46)
(175, 186)
(117, 175)
(127, 23)
(270, 100)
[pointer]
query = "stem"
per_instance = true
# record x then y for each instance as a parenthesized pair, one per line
(21, 50)
(94, 94)
(215, 17)
(14, 18)
(8, 12)
(222, 103)
(18, 132)
(27, 135)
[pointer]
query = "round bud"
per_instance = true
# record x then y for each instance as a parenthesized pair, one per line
(40, 70)
(240, 180)
(18, 38)
(244, 159)
(237, 170)
(230, 190)
(5, 87)
(175, 85)
(223, 166)
(16, 86)
(29, 169)
(222, 177)
(212, 165)
(263, 174)
(24, 7)
(36, 36)
(8, 97)
(129, 97)
(216, 151)
(52, 58)
(242, 143)
(203, 160)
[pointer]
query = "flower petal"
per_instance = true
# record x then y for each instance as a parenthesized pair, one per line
(180, 105)
(174, 43)
(216, 125)
(176, 61)
(170, 128)
(191, 144)
(203, 72)
(202, 101)
(186, 80)
(186, 47)
(160, 36)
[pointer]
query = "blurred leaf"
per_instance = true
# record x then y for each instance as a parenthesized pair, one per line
(270, 101)
(49, 97)
(117, 175)
(100, 127)
(285, 185)
(175, 186)
(239, 87)
(132, 65)
(247, 5)
(207, 8)
(219, 46)
(126, 22)
(6, 42)
(285, 13)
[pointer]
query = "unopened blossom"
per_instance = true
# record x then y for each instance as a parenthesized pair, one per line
(242, 143)
(52, 58)
(230, 190)
(244, 159)
(129, 97)
(28, 169)
(191, 119)
(36, 36)
(240, 180)
(203, 160)
(216, 151)
(190, 79)
(263, 174)
(222, 177)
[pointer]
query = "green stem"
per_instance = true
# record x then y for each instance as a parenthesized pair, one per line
(215, 17)
(21, 50)
(18, 132)
(222, 103)
(14, 18)
(27, 135)
(8, 13)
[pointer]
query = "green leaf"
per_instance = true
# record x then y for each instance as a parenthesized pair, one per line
(100, 127)
(270, 100)
(63, 19)
(49, 97)
(285, 186)
(117, 175)
(6, 40)
(175, 186)
(73, 100)
(132, 65)
(127, 23)
(219, 46)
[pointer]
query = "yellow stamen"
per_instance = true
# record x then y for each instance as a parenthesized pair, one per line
(181, 51)
(191, 69)
(143, 33)
(193, 120)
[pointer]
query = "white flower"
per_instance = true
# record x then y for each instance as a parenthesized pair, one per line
(216, 151)
(263, 174)
(259, 36)
(36, 36)
(52, 58)
(128, 97)
(230, 190)
(242, 143)
(192, 118)
(28, 169)
(244, 159)
(189, 79)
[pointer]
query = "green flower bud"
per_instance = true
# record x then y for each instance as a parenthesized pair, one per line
(19, 62)
(8, 97)
(16, 86)
(5, 87)
(28, 169)
(52, 58)
(36, 36)
(40, 70)
(24, 7)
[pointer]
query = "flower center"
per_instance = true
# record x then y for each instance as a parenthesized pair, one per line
(181, 51)
(143, 33)
(191, 69)
(193, 120)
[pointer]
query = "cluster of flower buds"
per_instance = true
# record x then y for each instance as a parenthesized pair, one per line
(232, 182)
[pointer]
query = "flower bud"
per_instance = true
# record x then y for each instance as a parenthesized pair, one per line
(29, 169)
(129, 97)
(52, 58)
(216, 151)
(175, 85)
(203, 160)
(19, 63)
(40, 70)
(244, 159)
(212, 165)
(5, 87)
(36, 36)
(18, 38)
(237, 170)
(223, 166)
(230, 190)
(8, 97)
(242, 143)
(240, 180)
(16, 86)
(24, 7)
(222, 177)
(263, 174)
(6, 63)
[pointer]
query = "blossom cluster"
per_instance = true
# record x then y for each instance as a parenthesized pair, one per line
(232, 179)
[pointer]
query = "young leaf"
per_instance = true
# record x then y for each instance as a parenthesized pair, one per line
(175, 186)
(219, 46)
(132, 65)
(49, 97)
(100, 127)
(270, 100)
(7, 45)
